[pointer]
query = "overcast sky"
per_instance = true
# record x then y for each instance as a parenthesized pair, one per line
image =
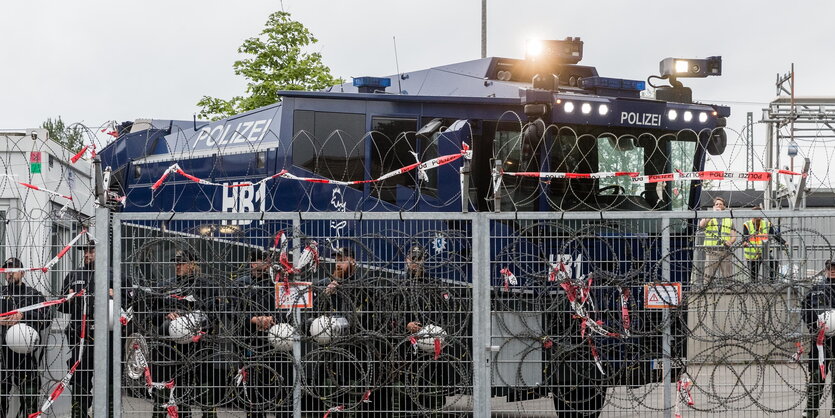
(94, 61)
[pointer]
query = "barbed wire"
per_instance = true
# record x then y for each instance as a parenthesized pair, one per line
(589, 354)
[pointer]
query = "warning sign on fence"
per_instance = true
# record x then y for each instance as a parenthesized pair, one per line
(662, 295)
(293, 295)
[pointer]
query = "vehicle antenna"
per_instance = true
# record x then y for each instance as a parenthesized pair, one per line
(397, 65)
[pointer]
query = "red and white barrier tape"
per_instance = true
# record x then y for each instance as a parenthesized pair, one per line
(798, 352)
(508, 279)
(683, 388)
(819, 343)
(422, 167)
(578, 296)
(165, 174)
(657, 178)
(44, 304)
(334, 409)
(63, 251)
(112, 132)
(33, 187)
(554, 175)
(714, 175)
(624, 310)
(48, 265)
(309, 256)
(242, 377)
(558, 271)
(413, 342)
(80, 154)
(74, 159)
(596, 356)
(171, 405)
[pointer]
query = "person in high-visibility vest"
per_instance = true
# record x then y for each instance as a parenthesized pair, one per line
(755, 236)
(720, 236)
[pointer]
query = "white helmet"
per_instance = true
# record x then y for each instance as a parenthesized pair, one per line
(427, 335)
(184, 328)
(325, 328)
(22, 338)
(828, 319)
(281, 337)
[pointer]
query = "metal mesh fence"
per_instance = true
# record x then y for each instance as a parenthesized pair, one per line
(512, 315)
(283, 315)
(37, 338)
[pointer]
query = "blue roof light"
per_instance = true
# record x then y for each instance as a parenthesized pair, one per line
(375, 82)
(612, 83)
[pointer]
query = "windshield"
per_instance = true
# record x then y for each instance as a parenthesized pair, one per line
(569, 150)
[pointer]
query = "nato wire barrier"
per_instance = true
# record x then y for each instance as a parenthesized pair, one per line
(425, 315)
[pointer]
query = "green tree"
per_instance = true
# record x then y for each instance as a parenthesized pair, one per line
(70, 137)
(275, 60)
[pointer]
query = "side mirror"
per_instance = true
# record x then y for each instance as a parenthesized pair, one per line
(717, 142)
(431, 127)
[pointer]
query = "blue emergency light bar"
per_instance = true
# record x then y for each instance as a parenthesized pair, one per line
(374, 82)
(590, 83)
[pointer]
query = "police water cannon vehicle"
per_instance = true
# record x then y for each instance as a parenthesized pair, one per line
(542, 133)
(545, 113)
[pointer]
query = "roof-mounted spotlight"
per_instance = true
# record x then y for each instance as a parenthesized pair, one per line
(567, 51)
(693, 68)
(674, 68)
(533, 48)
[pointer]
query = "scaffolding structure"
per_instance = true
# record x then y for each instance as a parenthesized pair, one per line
(790, 119)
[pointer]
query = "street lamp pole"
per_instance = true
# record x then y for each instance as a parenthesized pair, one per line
(483, 28)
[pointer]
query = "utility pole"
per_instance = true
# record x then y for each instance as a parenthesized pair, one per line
(749, 145)
(776, 120)
(483, 28)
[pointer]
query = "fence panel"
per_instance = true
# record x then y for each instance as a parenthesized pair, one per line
(304, 317)
(43, 259)
(514, 315)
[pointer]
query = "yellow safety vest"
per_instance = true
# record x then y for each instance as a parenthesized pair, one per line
(715, 235)
(756, 239)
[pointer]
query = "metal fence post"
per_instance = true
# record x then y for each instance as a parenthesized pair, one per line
(117, 324)
(100, 348)
(481, 316)
(297, 317)
(665, 276)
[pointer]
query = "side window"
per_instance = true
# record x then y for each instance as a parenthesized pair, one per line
(620, 154)
(330, 144)
(572, 152)
(428, 146)
(681, 155)
(391, 148)
(516, 154)
(63, 230)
